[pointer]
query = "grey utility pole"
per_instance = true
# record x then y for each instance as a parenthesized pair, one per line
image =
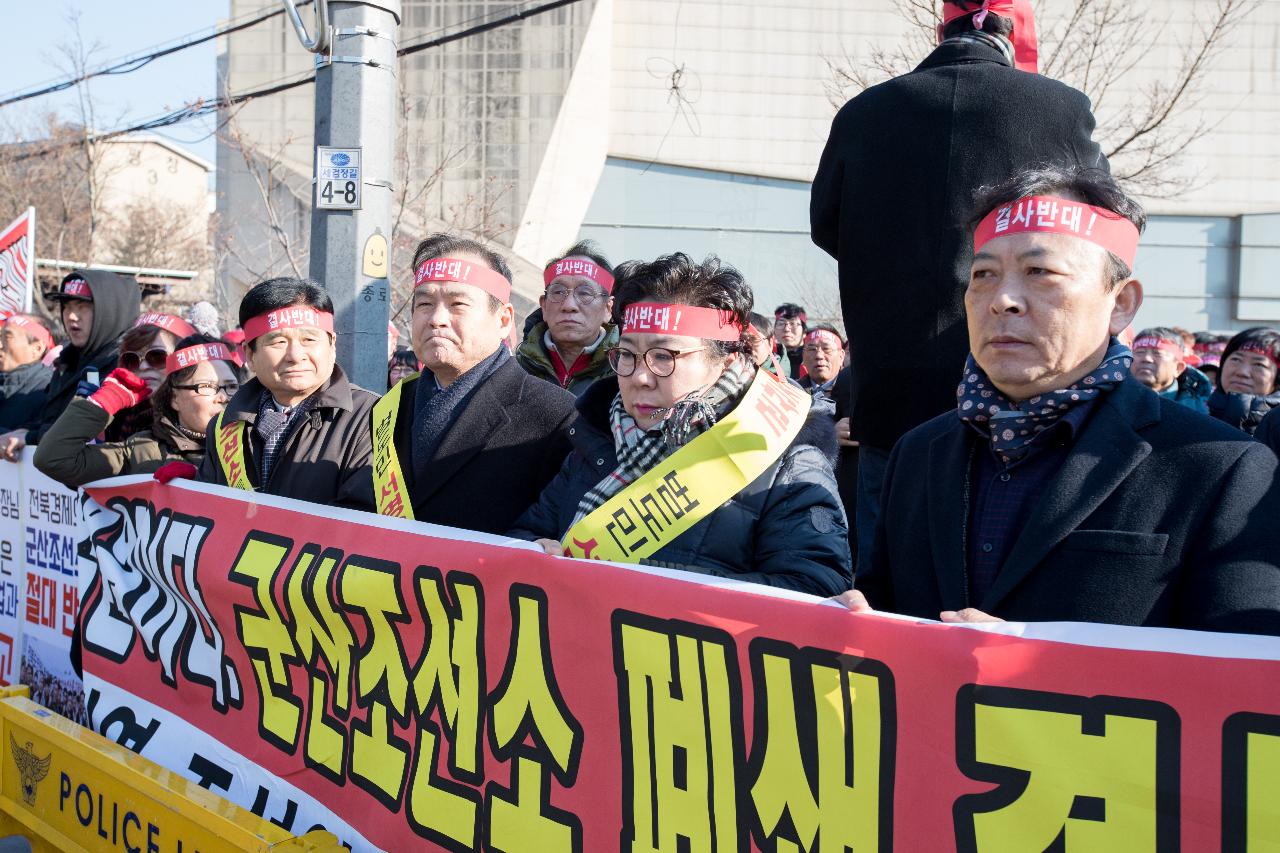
(355, 129)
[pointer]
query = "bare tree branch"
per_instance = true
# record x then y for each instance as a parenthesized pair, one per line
(1096, 46)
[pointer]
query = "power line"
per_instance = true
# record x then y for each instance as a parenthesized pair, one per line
(205, 107)
(133, 63)
(515, 17)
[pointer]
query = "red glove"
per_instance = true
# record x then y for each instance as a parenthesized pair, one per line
(175, 471)
(121, 390)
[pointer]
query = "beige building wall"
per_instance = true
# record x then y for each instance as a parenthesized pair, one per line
(734, 87)
(739, 87)
(149, 171)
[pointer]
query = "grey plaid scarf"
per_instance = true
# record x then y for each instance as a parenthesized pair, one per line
(639, 450)
(1000, 43)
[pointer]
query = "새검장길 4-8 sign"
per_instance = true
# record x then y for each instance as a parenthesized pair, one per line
(338, 178)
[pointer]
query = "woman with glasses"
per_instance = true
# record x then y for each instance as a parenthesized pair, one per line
(199, 375)
(690, 457)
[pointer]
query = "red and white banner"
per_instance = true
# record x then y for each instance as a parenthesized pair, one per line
(18, 263)
(409, 686)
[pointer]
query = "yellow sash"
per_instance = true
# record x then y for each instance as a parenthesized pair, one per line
(229, 439)
(691, 483)
(389, 489)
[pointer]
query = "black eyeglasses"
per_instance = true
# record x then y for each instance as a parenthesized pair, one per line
(582, 295)
(212, 389)
(155, 359)
(660, 360)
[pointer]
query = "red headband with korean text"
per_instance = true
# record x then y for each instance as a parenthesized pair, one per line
(31, 327)
(578, 267)
(190, 356)
(817, 336)
(1054, 215)
(1259, 349)
(168, 322)
(1153, 342)
(659, 318)
(457, 271)
(289, 317)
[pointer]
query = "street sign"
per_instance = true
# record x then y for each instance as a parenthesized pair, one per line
(338, 178)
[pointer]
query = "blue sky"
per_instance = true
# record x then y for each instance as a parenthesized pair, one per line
(122, 28)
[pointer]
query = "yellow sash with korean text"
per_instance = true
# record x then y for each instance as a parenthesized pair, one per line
(229, 440)
(389, 490)
(693, 482)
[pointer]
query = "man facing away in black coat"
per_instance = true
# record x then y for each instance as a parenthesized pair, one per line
(891, 192)
(1060, 488)
(475, 436)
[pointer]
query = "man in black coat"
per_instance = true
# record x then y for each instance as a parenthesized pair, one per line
(476, 438)
(299, 428)
(889, 198)
(1059, 488)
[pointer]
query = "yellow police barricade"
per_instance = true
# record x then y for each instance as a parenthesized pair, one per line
(66, 788)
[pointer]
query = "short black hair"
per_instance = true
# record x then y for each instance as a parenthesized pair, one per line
(1091, 185)
(994, 24)
(1211, 338)
(162, 399)
(763, 324)
(583, 249)
(281, 293)
(403, 355)
(791, 311)
(827, 327)
(1164, 333)
(443, 245)
(1262, 338)
(677, 279)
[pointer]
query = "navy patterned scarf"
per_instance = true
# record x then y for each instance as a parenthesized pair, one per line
(1011, 426)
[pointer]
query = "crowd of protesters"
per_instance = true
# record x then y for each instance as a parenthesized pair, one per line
(1079, 471)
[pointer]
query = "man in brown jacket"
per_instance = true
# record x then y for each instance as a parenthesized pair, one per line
(299, 429)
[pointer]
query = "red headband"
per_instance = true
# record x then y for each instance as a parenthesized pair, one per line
(455, 271)
(31, 327)
(168, 322)
(289, 317)
(1026, 51)
(194, 355)
(817, 335)
(77, 287)
(656, 318)
(1153, 342)
(578, 267)
(1259, 349)
(1054, 215)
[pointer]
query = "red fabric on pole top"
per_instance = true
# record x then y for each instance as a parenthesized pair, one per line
(1026, 51)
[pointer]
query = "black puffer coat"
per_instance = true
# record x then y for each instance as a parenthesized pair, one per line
(116, 302)
(1242, 411)
(786, 529)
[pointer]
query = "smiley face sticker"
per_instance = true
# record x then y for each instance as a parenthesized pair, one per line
(375, 255)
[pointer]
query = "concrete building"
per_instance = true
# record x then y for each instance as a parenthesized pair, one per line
(696, 125)
(156, 204)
